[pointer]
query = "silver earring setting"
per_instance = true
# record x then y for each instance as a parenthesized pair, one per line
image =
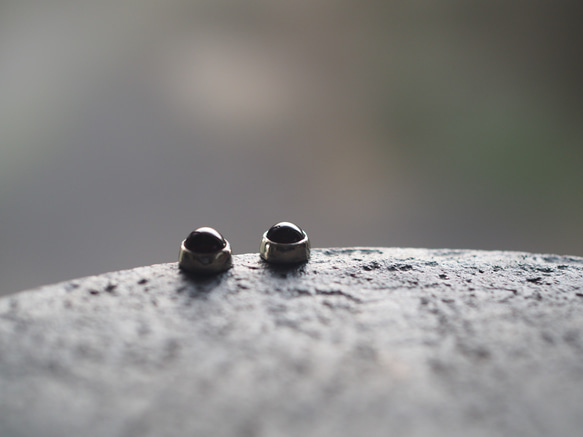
(285, 243)
(205, 251)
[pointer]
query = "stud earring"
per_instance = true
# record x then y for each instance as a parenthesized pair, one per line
(285, 243)
(205, 251)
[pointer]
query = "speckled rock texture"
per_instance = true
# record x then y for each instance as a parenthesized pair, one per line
(358, 342)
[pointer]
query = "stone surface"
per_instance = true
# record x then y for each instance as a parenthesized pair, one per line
(359, 341)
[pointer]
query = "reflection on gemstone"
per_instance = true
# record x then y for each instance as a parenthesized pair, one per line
(204, 240)
(285, 232)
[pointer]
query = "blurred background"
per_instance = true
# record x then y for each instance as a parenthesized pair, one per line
(125, 124)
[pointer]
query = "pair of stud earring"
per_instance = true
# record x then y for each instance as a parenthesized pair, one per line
(206, 251)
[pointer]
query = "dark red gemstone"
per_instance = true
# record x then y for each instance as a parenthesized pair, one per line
(205, 240)
(285, 232)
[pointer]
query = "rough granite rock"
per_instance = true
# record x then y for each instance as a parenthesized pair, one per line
(358, 342)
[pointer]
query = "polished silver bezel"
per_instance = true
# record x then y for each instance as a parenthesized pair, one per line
(285, 253)
(205, 263)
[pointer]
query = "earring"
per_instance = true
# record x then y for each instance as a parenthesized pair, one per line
(205, 251)
(285, 243)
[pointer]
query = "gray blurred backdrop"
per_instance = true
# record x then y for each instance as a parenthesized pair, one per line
(125, 124)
